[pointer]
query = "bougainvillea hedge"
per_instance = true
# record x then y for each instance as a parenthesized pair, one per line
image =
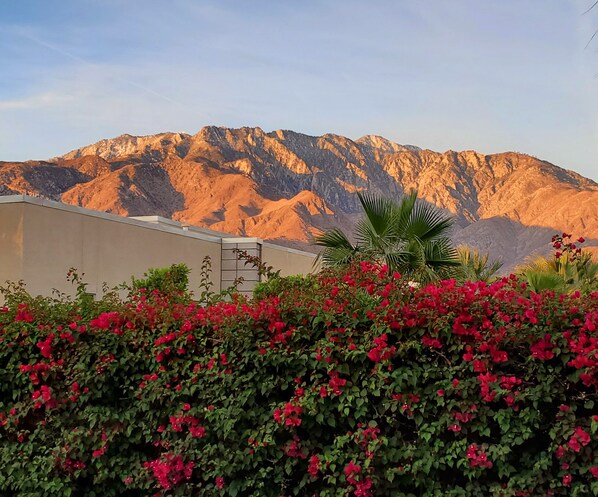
(356, 384)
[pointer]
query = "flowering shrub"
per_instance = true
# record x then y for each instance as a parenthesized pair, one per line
(356, 385)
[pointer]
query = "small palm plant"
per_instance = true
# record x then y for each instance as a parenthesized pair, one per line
(569, 269)
(411, 237)
(476, 266)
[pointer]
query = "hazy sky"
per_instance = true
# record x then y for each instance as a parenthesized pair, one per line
(491, 75)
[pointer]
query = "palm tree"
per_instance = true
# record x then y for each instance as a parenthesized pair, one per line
(476, 266)
(410, 237)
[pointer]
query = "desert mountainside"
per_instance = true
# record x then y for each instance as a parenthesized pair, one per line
(286, 186)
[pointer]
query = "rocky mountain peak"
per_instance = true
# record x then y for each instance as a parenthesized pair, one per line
(126, 145)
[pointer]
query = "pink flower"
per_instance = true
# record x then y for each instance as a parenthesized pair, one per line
(99, 452)
(314, 466)
(220, 482)
(375, 355)
(277, 415)
(543, 349)
(350, 470)
(197, 431)
(363, 488)
(433, 343)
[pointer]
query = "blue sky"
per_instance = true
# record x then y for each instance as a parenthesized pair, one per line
(492, 75)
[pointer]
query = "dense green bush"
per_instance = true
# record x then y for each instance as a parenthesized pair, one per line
(277, 286)
(165, 279)
(358, 385)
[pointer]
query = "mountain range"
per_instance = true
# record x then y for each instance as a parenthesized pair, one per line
(286, 186)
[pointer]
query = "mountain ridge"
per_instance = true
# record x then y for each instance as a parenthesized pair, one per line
(286, 186)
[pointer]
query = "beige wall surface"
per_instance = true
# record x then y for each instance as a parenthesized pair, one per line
(40, 240)
(106, 250)
(11, 242)
(289, 261)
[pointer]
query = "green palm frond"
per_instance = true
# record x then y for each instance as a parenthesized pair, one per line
(441, 253)
(374, 228)
(333, 238)
(338, 248)
(538, 264)
(539, 281)
(428, 223)
(476, 266)
(402, 215)
(398, 261)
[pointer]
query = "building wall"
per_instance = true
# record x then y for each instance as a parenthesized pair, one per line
(11, 242)
(41, 240)
(289, 261)
(105, 249)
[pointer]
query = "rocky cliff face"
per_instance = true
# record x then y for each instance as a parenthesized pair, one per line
(285, 186)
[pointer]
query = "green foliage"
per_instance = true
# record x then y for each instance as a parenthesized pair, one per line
(168, 279)
(348, 383)
(410, 237)
(264, 270)
(476, 266)
(274, 287)
(569, 269)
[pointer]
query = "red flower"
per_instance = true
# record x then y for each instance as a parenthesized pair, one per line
(336, 383)
(197, 431)
(277, 415)
(352, 469)
(375, 355)
(477, 457)
(363, 488)
(543, 349)
(99, 452)
(220, 482)
(314, 466)
(433, 343)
